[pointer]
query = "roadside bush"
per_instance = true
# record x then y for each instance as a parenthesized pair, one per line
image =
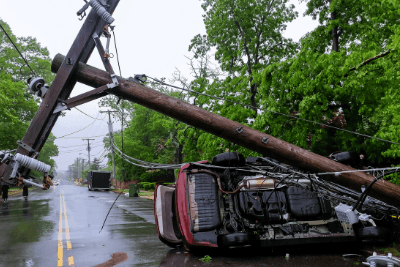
(152, 186)
(148, 176)
(147, 186)
(142, 185)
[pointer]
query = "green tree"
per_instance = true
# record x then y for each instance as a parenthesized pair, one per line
(17, 105)
(247, 36)
(328, 82)
(145, 139)
(12, 63)
(95, 165)
(17, 109)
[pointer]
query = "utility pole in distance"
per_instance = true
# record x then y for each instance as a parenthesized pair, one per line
(83, 167)
(88, 149)
(110, 130)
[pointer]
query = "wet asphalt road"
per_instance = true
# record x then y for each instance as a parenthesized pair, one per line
(30, 235)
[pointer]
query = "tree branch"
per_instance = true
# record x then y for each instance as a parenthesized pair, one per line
(245, 44)
(367, 61)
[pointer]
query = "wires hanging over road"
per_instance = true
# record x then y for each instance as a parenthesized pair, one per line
(89, 115)
(144, 164)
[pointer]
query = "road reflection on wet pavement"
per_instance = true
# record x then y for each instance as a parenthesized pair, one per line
(30, 235)
(263, 257)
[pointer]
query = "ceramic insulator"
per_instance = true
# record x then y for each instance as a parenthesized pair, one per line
(101, 11)
(32, 164)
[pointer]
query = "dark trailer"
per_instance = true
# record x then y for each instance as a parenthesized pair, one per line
(98, 180)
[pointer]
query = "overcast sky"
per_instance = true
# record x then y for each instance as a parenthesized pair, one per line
(152, 38)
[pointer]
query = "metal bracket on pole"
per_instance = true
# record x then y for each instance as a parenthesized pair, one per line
(108, 44)
(15, 170)
(26, 147)
(115, 81)
(60, 107)
(106, 62)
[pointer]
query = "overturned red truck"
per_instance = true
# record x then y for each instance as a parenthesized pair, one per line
(236, 202)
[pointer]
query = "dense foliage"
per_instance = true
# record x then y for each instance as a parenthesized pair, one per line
(246, 37)
(17, 105)
(328, 82)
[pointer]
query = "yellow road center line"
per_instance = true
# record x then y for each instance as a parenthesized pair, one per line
(69, 246)
(71, 261)
(60, 243)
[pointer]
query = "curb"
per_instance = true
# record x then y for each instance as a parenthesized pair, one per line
(145, 197)
(15, 192)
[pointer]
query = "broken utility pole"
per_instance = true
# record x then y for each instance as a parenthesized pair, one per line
(62, 86)
(229, 130)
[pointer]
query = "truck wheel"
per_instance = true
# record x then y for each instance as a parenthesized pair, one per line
(233, 159)
(236, 240)
(89, 187)
(374, 234)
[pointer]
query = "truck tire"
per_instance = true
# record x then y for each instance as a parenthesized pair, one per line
(229, 159)
(236, 240)
(374, 234)
(89, 187)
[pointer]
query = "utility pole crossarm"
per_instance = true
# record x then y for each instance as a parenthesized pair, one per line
(87, 97)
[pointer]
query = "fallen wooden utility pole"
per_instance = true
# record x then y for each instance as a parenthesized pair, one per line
(227, 129)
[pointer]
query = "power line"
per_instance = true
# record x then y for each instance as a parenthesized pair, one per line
(116, 51)
(98, 126)
(77, 137)
(274, 112)
(75, 131)
(144, 164)
(89, 115)
(77, 145)
(26, 62)
(78, 131)
(78, 150)
(367, 170)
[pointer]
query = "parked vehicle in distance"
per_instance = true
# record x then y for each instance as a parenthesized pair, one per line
(235, 202)
(99, 180)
